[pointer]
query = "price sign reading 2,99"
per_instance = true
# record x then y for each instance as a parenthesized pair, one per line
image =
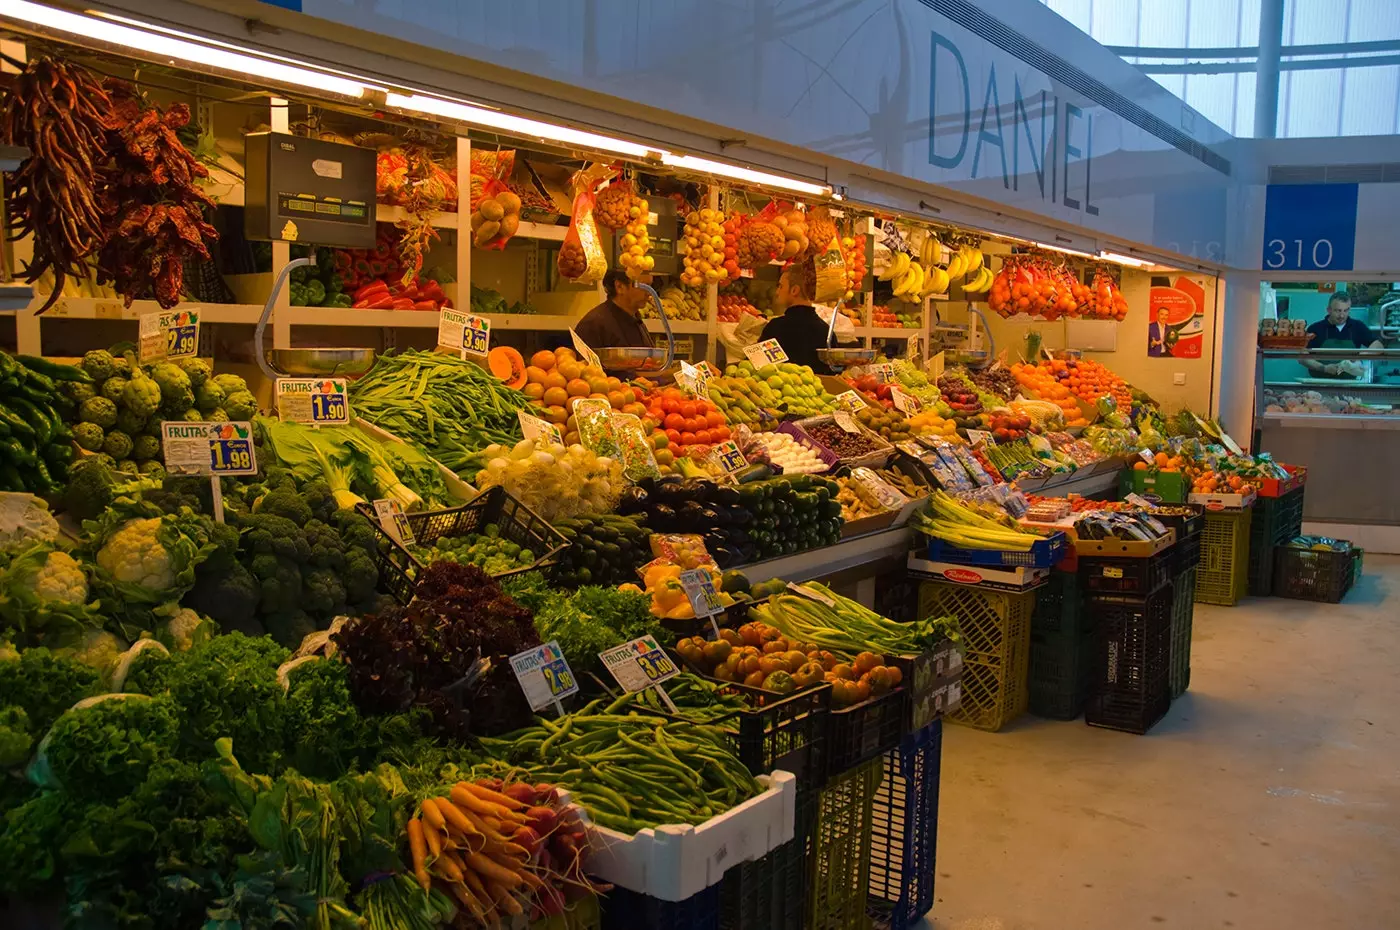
(208, 448)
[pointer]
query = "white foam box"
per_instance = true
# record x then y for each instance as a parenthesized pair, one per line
(674, 861)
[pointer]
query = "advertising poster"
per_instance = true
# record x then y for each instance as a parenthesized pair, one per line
(1176, 319)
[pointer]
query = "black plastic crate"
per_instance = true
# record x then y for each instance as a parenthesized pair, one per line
(770, 892)
(1129, 688)
(1183, 612)
(1275, 521)
(1058, 682)
(1315, 575)
(780, 731)
(1060, 605)
(1186, 554)
(398, 568)
(904, 835)
(1138, 577)
(628, 910)
(863, 731)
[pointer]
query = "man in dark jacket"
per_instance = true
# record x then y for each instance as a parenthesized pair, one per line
(617, 321)
(799, 330)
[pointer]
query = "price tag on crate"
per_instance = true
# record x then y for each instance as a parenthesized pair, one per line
(906, 404)
(208, 448)
(532, 427)
(700, 591)
(979, 437)
(767, 352)
(172, 334)
(314, 401)
(639, 664)
(882, 372)
(584, 352)
(466, 332)
(843, 420)
(693, 380)
(914, 348)
(544, 675)
(1112, 571)
(729, 457)
(850, 400)
(1147, 456)
(394, 521)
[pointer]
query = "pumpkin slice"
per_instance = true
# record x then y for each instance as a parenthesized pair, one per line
(508, 365)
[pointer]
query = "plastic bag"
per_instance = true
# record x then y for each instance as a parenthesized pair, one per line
(637, 459)
(496, 218)
(581, 257)
(486, 167)
(594, 421)
(684, 549)
(128, 659)
(831, 273)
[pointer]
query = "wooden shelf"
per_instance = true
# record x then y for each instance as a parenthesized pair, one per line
(114, 308)
(383, 213)
(685, 327)
(542, 231)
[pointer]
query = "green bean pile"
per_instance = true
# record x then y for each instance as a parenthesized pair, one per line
(449, 407)
(632, 771)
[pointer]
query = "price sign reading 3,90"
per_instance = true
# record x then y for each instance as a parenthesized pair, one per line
(208, 448)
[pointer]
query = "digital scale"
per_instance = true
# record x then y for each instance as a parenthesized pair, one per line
(306, 190)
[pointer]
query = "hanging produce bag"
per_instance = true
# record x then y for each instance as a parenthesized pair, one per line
(581, 257)
(831, 273)
(496, 218)
(759, 240)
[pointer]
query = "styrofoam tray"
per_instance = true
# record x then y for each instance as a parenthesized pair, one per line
(674, 861)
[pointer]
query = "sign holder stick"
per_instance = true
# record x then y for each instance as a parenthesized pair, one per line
(671, 705)
(216, 488)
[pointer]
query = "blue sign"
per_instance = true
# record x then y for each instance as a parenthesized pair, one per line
(1309, 227)
(328, 408)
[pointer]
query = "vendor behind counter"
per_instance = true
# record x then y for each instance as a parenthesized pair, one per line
(1338, 331)
(616, 322)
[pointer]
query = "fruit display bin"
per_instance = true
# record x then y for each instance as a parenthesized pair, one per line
(1129, 690)
(1138, 577)
(863, 731)
(672, 862)
(1043, 553)
(904, 832)
(1275, 521)
(877, 458)
(495, 506)
(1222, 575)
(826, 455)
(838, 850)
(1277, 487)
(1315, 574)
(1183, 612)
(996, 628)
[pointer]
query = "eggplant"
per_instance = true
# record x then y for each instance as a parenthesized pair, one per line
(715, 517)
(693, 489)
(633, 500)
(724, 496)
(692, 514)
(663, 517)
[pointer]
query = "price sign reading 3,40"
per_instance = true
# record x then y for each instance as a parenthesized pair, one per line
(639, 664)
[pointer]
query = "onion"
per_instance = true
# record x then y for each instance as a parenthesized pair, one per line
(523, 449)
(542, 459)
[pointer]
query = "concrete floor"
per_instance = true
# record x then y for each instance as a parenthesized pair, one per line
(1267, 799)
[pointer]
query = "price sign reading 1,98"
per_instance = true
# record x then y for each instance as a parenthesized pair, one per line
(315, 401)
(208, 448)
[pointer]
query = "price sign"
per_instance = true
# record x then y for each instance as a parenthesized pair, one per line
(811, 593)
(539, 430)
(168, 335)
(584, 352)
(700, 591)
(544, 675)
(850, 400)
(1230, 444)
(767, 352)
(889, 498)
(729, 457)
(693, 380)
(1147, 456)
(907, 404)
(316, 401)
(978, 437)
(843, 420)
(934, 368)
(465, 332)
(710, 370)
(639, 664)
(394, 521)
(914, 348)
(208, 448)
(882, 372)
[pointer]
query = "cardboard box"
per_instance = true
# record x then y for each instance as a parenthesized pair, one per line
(1124, 548)
(981, 576)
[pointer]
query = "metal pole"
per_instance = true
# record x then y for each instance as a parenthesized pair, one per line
(1266, 82)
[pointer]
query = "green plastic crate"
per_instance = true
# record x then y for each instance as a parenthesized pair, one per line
(1222, 575)
(1061, 649)
(1170, 487)
(1276, 520)
(839, 848)
(1183, 610)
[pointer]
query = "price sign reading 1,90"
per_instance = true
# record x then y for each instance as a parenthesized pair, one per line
(314, 401)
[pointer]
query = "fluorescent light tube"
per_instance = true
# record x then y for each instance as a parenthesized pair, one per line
(1130, 260)
(476, 115)
(167, 46)
(706, 166)
(1056, 248)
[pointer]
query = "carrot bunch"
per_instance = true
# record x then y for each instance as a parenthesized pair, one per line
(500, 850)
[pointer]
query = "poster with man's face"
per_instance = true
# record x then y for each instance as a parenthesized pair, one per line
(1176, 320)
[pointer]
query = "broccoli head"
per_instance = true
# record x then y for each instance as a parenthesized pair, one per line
(327, 548)
(15, 739)
(90, 489)
(269, 534)
(284, 501)
(229, 596)
(323, 594)
(361, 576)
(289, 628)
(319, 498)
(356, 532)
(280, 582)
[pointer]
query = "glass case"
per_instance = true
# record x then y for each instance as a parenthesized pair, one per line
(1296, 385)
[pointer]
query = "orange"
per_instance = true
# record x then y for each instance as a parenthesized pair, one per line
(616, 399)
(555, 414)
(1139, 465)
(577, 387)
(543, 359)
(570, 369)
(1163, 459)
(663, 457)
(555, 397)
(614, 384)
(598, 385)
(555, 380)
(591, 373)
(535, 375)
(534, 390)
(564, 354)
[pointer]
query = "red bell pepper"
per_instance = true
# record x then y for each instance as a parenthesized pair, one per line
(373, 287)
(401, 303)
(426, 305)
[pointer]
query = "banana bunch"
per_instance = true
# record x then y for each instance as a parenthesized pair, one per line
(969, 261)
(906, 275)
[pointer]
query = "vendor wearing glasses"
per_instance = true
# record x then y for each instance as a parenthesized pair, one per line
(1338, 331)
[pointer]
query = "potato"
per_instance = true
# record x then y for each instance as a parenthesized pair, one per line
(477, 220)
(491, 209)
(510, 224)
(486, 232)
(509, 202)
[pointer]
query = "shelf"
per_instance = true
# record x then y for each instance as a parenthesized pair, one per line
(1340, 386)
(878, 332)
(542, 231)
(684, 327)
(383, 213)
(348, 316)
(1347, 421)
(114, 308)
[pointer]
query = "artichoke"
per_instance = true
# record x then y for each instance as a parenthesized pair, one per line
(98, 410)
(198, 369)
(88, 436)
(128, 422)
(112, 388)
(144, 448)
(117, 444)
(142, 394)
(98, 364)
(208, 396)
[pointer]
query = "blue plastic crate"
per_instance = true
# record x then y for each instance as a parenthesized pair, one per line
(905, 832)
(1043, 553)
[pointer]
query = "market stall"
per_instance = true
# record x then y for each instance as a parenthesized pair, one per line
(342, 580)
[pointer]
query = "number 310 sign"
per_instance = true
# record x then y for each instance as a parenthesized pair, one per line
(1310, 227)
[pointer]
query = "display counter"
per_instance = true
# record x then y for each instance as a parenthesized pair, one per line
(1345, 431)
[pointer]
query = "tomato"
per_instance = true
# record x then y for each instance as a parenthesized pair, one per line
(714, 418)
(687, 438)
(687, 410)
(703, 437)
(674, 421)
(674, 435)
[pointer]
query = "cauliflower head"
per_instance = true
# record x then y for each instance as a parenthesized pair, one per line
(24, 519)
(134, 555)
(43, 595)
(145, 561)
(60, 580)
